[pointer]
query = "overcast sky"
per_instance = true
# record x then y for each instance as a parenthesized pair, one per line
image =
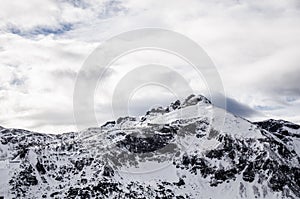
(254, 44)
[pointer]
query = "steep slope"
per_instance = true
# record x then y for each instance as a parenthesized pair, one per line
(168, 153)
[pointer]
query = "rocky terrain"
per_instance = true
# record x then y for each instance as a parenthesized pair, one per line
(171, 152)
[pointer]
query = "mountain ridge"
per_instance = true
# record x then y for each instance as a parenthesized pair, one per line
(165, 154)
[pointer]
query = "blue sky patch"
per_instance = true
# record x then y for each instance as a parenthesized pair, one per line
(42, 30)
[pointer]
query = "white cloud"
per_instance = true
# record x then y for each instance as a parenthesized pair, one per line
(28, 14)
(47, 69)
(254, 44)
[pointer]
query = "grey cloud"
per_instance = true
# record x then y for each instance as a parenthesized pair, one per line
(268, 108)
(64, 74)
(240, 109)
(281, 87)
(17, 81)
(50, 117)
(139, 106)
(111, 8)
(78, 3)
(235, 107)
(286, 83)
(96, 72)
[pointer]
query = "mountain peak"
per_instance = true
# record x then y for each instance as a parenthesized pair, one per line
(195, 99)
(191, 100)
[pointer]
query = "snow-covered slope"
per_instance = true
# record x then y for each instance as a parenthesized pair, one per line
(172, 152)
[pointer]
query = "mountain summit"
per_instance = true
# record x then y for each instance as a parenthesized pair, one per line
(165, 154)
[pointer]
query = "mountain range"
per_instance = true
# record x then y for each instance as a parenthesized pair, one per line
(171, 152)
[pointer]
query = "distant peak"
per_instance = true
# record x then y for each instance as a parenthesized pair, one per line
(275, 125)
(278, 121)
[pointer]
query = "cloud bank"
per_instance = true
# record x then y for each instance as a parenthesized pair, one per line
(254, 44)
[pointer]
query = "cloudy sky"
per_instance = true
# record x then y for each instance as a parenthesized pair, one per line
(254, 44)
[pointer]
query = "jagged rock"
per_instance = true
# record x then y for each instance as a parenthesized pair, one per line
(108, 171)
(40, 168)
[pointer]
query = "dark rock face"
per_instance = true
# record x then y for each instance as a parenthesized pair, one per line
(147, 144)
(276, 125)
(80, 164)
(249, 173)
(278, 128)
(109, 124)
(23, 180)
(40, 168)
(124, 119)
(108, 171)
(179, 183)
(175, 105)
(109, 189)
(144, 145)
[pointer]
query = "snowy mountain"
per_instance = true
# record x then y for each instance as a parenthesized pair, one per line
(172, 152)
